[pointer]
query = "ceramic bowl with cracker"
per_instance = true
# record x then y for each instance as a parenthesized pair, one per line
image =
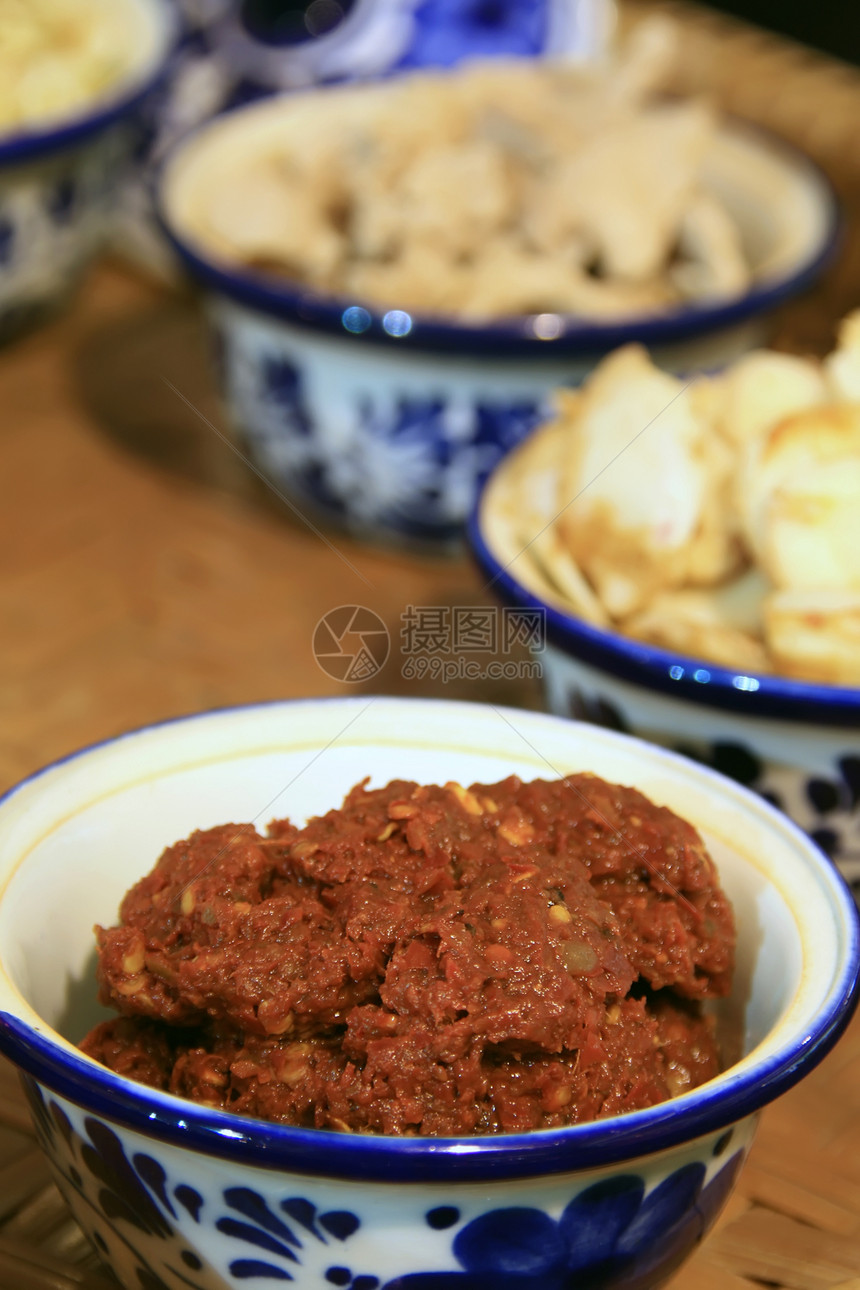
(384, 419)
(177, 1194)
(60, 165)
(229, 53)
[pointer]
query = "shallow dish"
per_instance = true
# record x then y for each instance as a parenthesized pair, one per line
(177, 1195)
(58, 178)
(385, 421)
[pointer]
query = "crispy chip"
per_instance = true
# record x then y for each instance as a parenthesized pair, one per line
(699, 623)
(564, 575)
(711, 261)
(497, 188)
(519, 512)
(58, 56)
(842, 367)
(632, 485)
(815, 635)
(763, 387)
(804, 520)
(732, 535)
(627, 189)
(275, 225)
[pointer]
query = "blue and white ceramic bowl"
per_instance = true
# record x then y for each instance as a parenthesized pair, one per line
(57, 180)
(386, 422)
(175, 1195)
(795, 742)
(230, 52)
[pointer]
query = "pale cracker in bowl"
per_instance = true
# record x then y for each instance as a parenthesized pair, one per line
(493, 190)
(717, 518)
(58, 58)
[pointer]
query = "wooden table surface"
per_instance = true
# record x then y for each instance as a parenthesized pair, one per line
(145, 572)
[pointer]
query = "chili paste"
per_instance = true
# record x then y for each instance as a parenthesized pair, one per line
(426, 960)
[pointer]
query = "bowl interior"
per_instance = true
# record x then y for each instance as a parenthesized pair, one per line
(74, 838)
(148, 29)
(514, 574)
(780, 202)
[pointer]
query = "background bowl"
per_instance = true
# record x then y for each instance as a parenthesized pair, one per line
(795, 742)
(385, 421)
(58, 180)
(231, 53)
(174, 1194)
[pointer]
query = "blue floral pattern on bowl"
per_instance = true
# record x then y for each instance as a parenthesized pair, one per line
(383, 449)
(622, 1232)
(610, 1235)
(53, 213)
(58, 186)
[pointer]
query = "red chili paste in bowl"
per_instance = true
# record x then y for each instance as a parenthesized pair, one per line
(426, 960)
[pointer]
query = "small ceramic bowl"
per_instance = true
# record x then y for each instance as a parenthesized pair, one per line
(795, 742)
(231, 53)
(57, 180)
(385, 422)
(176, 1195)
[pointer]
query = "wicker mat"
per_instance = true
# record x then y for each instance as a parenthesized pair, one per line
(795, 1218)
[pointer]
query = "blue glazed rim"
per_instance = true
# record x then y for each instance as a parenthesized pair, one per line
(506, 338)
(375, 1158)
(664, 671)
(27, 145)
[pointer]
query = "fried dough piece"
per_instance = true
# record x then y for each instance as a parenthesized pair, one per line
(712, 264)
(700, 624)
(504, 279)
(627, 190)
(815, 635)
(263, 218)
(716, 552)
(763, 387)
(519, 519)
(559, 567)
(645, 60)
(508, 278)
(636, 471)
(514, 550)
(842, 367)
(58, 56)
(421, 277)
(801, 493)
